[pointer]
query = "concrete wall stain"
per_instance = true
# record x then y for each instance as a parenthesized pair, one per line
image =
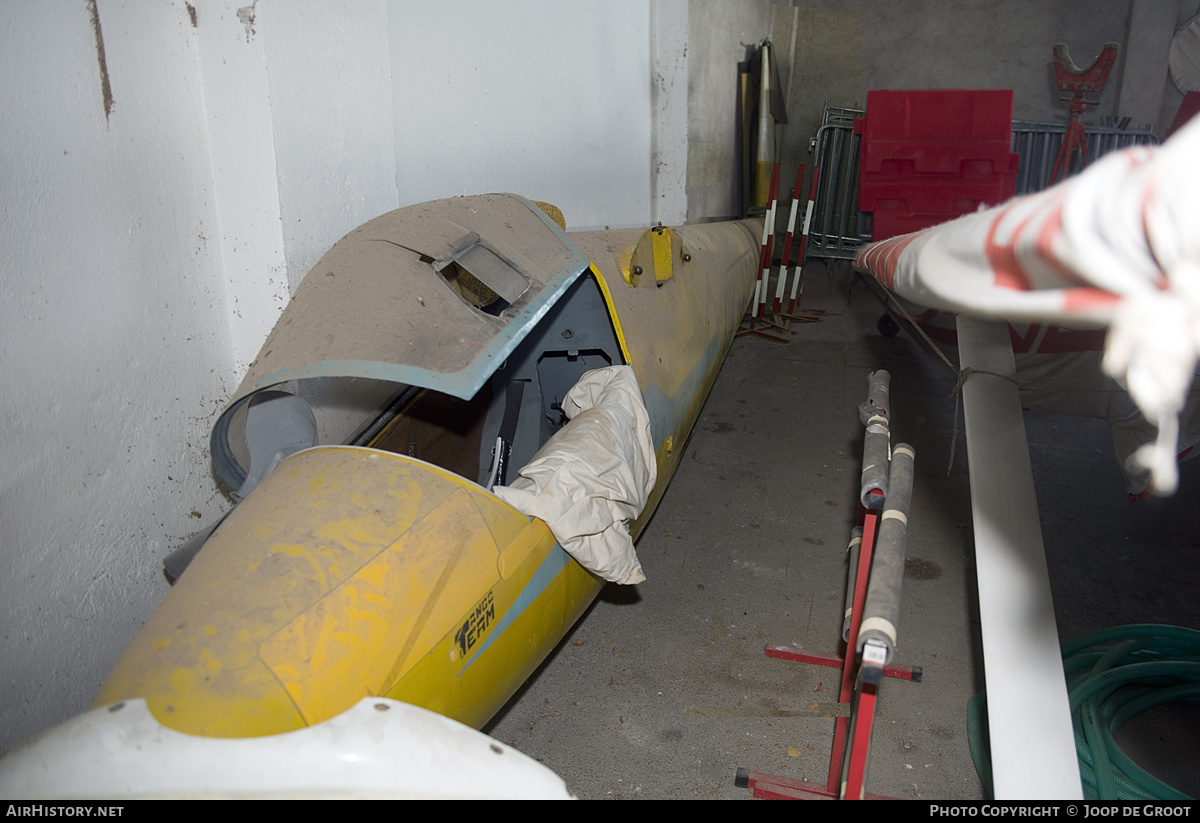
(105, 87)
(246, 15)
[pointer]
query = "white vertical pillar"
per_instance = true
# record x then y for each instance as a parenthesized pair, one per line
(669, 107)
(329, 65)
(237, 102)
(1143, 63)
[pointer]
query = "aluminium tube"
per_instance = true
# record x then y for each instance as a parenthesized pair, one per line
(876, 441)
(879, 396)
(881, 612)
(855, 549)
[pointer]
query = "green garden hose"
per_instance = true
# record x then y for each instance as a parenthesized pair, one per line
(1112, 676)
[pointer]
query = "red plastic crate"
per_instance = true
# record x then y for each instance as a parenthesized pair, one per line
(970, 115)
(931, 155)
(924, 195)
(899, 159)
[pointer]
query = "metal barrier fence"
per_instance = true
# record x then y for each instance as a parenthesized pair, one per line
(1039, 144)
(834, 230)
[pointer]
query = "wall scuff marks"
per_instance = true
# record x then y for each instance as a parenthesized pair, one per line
(105, 88)
(246, 15)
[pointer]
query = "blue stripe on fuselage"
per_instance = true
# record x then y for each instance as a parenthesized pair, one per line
(556, 560)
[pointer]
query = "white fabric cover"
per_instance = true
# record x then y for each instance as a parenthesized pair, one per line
(1118, 245)
(594, 475)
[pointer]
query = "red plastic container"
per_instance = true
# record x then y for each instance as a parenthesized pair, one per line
(931, 155)
(960, 115)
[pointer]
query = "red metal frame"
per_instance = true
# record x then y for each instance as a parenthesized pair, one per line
(834, 661)
(862, 574)
(1091, 79)
(772, 787)
(754, 328)
(854, 730)
(864, 720)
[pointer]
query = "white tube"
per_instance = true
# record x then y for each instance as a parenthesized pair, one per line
(1029, 718)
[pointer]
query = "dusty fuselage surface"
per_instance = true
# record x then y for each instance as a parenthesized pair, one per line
(368, 556)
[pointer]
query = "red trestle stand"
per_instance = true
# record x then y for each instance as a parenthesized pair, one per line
(877, 552)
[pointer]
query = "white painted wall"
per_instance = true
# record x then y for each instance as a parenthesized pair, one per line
(547, 99)
(113, 338)
(331, 114)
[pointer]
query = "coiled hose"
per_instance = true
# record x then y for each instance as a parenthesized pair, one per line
(1149, 665)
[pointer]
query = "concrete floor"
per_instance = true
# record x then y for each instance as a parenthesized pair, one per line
(662, 690)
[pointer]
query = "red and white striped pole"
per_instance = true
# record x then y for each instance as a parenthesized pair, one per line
(764, 275)
(762, 256)
(787, 242)
(808, 213)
